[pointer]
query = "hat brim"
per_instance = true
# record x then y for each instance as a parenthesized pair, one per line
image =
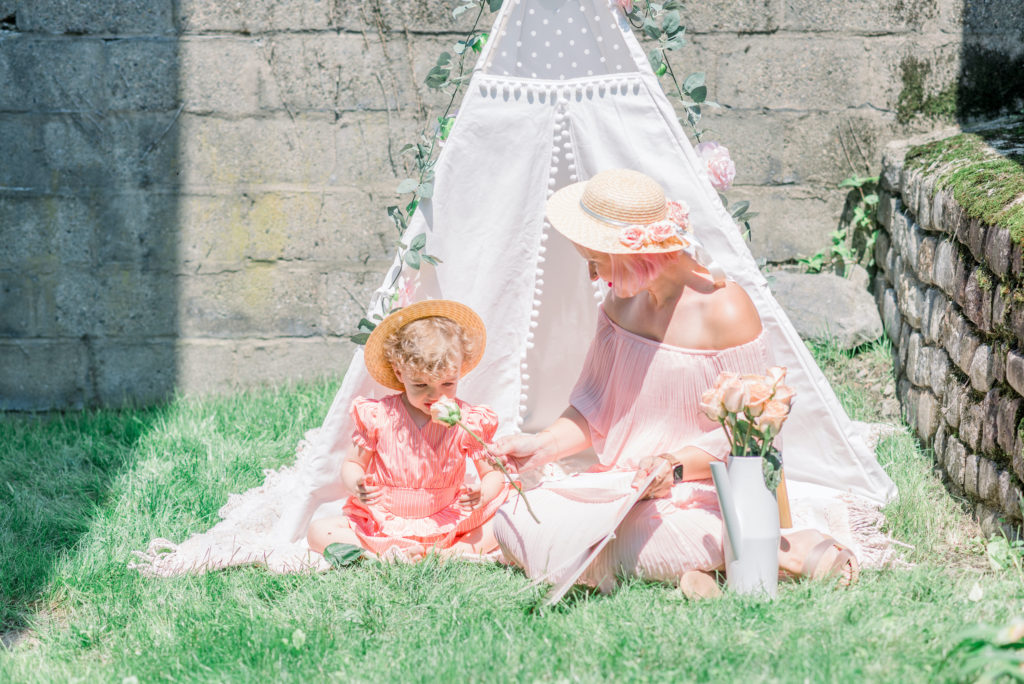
(373, 354)
(565, 214)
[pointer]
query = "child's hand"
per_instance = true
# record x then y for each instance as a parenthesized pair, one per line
(367, 494)
(470, 498)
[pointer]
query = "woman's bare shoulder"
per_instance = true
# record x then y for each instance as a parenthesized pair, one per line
(731, 317)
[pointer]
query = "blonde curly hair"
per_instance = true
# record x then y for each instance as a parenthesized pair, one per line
(434, 346)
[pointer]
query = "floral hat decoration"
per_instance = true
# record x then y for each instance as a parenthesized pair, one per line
(471, 323)
(620, 211)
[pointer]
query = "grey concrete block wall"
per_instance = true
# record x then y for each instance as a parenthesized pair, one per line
(206, 180)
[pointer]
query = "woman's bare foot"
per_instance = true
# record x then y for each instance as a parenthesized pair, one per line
(813, 555)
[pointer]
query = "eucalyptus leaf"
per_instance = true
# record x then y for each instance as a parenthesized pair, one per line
(359, 338)
(674, 43)
(670, 22)
(445, 126)
(444, 59)
(425, 190)
(651, 29)
(478, 43)
(342, 555)
(656, 58)
(418, 242)
(366, 324)
(437, 77)
(408, 185)
(738, 208)
(694, 80)
(407, 147)
(432, 260)
(699, 94)
(410, 208)
(413, 259)
(396, 215)
(459, 47)
(494, 5)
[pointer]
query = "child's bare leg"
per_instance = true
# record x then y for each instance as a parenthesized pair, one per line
(479, 541)
(326, 531)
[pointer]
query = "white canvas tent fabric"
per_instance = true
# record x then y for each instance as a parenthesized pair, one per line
(562, 90)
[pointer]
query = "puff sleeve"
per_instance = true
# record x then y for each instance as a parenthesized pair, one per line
(484, 422)
(366, 420)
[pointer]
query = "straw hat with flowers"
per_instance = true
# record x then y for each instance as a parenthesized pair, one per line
(373, 354)
(620, 211)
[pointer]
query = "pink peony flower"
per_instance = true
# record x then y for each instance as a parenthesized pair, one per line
(718, 164)
(679, 214)
(661, 231)
(633, 237)
(625, 5)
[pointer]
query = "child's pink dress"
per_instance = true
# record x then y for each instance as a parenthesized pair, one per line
(421, 471)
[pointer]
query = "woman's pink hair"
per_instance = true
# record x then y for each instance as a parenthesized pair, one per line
(633, 272)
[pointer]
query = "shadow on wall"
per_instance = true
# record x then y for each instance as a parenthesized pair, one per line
(991, 80)
(88, 212)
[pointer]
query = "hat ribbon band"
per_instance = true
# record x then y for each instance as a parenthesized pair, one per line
(604, 219)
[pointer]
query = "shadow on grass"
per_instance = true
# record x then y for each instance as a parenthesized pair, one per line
(57, 473)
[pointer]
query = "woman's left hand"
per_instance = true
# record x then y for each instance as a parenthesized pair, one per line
(662, 483)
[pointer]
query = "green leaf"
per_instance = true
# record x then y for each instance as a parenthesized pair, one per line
(366, 324)
(656, 58)
(444, 59)
(418, 242)
(408, 185)
(660, 71)
(699, 94)
(359, 338)
(670, 22)
(871, 199)
(342, 555)
(413, 259)
(410, 208)
(459, 47)
(692, 81)
(478, 43)
(651, 29)
(432, 260)
(494, 5)
(407, 147)
(396, 215)
(674, 43)
(446, 126)
(426, 190)
(437, 77)
(737, 209)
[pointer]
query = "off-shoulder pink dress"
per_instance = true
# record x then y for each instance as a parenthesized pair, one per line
(640, 398)
(421, 471)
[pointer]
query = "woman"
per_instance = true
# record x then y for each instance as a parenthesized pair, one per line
(669, 325)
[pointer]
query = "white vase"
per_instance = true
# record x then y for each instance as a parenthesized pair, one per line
(751, 517)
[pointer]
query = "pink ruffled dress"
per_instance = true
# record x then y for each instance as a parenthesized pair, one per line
(640, 398)
(421, 471)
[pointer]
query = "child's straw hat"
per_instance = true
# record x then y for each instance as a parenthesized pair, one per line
(377, 363)
(600, 213)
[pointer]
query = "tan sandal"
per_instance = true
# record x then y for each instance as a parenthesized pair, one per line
(813, 567)
(697, 585)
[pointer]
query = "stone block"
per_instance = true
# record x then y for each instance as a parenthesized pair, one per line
(997, 250)
(142, 74)
(910, 296)
(969, 344)
(1018, 459)
(134, 372)
(813, 151)
(137, 228)
(971, 474)
(944, 266)
(891, 317)
(887, 206)
(43, 234)
(852, 320)
(917, 365)
(999, 349)
(1008, 416)
(881, 250)
(209, 366)
(963, 269)
(926, 259)
(972, 418)
(953, 400)
(347, 296)
(988, 427)
(760, 164)
(980, 371)
(955, 463)
(905, 331)
(939, 443)
(988, 481)
(116, 300)
(794, 222)
(141, 17)
(38, 375)
(936, 307)
(938, 210)
(229, 153)
(1015, 371)
(1017, 316)
(926, 192)
(911, 398)
(290, 360)
(951, 332)
(939, 366)
(911, 183)
(978, 299)
(42, 75)
(25, 169)
(756, 71)
(26, 305)
(742, 16)
(223, 74)
(874, 16)
(262, 299)
(256, 16)
(927, 416)
(1016, 259)
(988, 519)
(957, 221)
(1002, 305)
(977, 235)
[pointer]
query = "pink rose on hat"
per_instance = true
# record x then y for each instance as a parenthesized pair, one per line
(719, 165)
(633, 237)
(678, 213)
(661, 231)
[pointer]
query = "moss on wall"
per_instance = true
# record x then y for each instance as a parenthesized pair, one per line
(984, 170)
(915, 99)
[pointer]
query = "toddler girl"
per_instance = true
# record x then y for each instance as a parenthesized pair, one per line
(404, 470)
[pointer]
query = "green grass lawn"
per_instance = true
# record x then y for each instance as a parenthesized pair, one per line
(79, 492)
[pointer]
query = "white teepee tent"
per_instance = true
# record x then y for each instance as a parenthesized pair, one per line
(562, 90)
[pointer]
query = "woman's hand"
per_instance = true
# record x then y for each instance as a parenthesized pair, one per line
(661, 485)
(521, 449)
(367, 494)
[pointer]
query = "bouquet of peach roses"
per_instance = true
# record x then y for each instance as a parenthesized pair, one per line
(751, 409)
